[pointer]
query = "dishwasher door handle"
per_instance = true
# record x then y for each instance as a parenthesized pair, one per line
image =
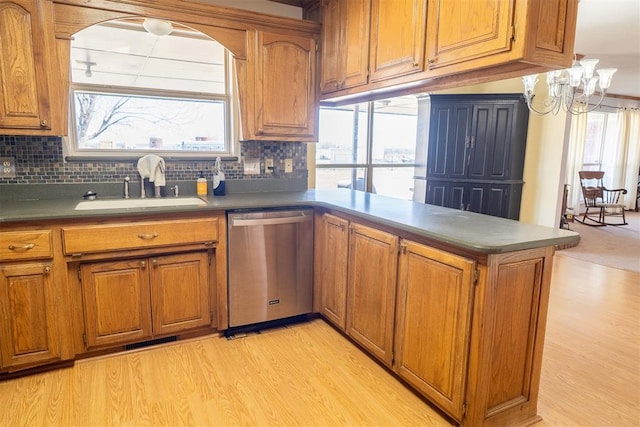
(237, 222)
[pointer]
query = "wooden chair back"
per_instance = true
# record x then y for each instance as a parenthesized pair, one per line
(591, 183)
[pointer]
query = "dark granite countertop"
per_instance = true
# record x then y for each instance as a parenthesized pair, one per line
(467, 230)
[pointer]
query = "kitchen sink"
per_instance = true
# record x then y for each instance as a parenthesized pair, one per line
(92, 205)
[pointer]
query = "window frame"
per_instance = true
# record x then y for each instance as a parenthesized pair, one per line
(232, 120)
(369, 166)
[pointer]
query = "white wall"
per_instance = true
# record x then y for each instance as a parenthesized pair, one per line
(544, 170)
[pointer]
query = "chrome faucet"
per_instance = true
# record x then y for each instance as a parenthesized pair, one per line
(142, 193)
(176, 190)
(126, 187)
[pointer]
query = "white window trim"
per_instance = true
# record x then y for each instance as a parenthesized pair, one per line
(71, 152)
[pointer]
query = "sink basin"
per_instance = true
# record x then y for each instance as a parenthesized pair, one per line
(138, 203)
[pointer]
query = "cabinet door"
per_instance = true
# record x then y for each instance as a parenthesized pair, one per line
(28, 321)
(24, 62)
(498, 139)
(345, 44)
(397, 38)
(435, 291)
(446, 193)
(371, 290)
(481, 142)
(180, 292)
(461, 30)
(449, 139)
(117, 304)
(285, 87)
(332, 273)
(331, 66)
(503, 200)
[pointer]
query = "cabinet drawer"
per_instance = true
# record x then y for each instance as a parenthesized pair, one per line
(139, 235)
(18, 245)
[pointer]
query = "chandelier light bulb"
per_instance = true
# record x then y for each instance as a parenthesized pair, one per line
(530, 82)
(575, 75)
(589, 67)
(590, 86)
(606, 74)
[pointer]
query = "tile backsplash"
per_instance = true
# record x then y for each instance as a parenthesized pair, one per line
(40, 160)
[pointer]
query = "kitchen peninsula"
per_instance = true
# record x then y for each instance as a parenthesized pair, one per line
(457, 303)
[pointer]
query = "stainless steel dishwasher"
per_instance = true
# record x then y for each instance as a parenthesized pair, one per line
(270, 265)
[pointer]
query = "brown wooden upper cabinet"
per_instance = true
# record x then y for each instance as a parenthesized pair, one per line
(27, 68)
(345, 41)
(417, 43)
(282, 105)
(494, 32)
(397, 38)
(370, 40)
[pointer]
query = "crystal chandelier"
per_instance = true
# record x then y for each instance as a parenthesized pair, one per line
(570, 87)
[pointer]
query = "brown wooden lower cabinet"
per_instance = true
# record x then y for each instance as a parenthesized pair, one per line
(465, 331)
(356, 281)
(433, 323)
(371, 289)
(331, 267)
(28, 315)
(122, 297)
(507, 338)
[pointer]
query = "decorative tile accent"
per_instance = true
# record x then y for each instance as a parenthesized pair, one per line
(39, 160)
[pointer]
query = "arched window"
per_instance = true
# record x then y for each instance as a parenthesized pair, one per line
(145, 85)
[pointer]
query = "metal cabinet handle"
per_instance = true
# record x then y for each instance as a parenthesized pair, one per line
(44, 123)
(22, 248)
(238, 222)
(47, 270)
(143, 264)
(154, 262)
(147, 236)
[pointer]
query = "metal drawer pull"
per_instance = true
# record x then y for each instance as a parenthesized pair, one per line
(147, 236)
(22, 248)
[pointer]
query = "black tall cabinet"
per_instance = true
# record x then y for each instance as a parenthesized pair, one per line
(475, 152)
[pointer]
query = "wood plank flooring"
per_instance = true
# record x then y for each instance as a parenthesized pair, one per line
(309, 375)
(305, 374)
(591, 361)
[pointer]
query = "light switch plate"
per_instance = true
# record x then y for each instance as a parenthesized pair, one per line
(288, 165)
(8, 169)
(268, 165)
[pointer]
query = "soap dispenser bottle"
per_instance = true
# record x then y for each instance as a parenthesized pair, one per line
(201, 185)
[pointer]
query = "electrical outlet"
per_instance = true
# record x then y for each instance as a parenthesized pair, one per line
(268, 165)
(288, 165)
(8, 167)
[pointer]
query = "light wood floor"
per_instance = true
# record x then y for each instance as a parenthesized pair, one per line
(308, 374)
(591, 361)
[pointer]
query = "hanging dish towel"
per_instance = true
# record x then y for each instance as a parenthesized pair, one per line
(152, 167)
